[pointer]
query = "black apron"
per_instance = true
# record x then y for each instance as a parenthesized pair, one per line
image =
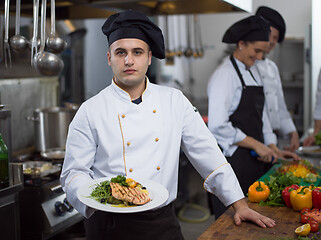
(157, 224)
(248, 118)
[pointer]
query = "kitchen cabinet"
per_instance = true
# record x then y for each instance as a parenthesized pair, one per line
(290, 57)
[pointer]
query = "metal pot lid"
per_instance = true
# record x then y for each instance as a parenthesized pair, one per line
(53, 153)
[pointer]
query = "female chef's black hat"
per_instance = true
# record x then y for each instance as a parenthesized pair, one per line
(253, 28)
(274, 18)
(132, 24)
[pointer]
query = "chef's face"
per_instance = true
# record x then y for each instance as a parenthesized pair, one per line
(274, 37)
(249, 52)
(129, 60)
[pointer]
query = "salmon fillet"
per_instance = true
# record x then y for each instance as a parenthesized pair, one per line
(129, 194)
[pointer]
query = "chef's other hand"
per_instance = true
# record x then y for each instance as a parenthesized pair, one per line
(265, 153)
(288, 154)
(244, 213)
(309, 141)
(294, 143)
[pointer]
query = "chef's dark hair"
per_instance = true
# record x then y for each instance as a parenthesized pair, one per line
(133, 24)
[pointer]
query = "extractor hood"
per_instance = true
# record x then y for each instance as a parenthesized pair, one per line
(81, 9)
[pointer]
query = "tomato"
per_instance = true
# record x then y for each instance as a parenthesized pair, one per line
(304, 219)
(314, 226)
(304, 210)
(311, 220)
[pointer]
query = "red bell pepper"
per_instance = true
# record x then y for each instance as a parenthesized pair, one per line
(286, 194)
(316, 197)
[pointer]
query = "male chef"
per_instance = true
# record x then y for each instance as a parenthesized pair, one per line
(278, 114)
(136, 129)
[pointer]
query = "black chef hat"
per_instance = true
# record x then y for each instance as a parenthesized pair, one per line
(132, 24)
(275, 19)
(253, 28)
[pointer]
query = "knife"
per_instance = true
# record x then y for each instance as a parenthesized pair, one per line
(254, 154)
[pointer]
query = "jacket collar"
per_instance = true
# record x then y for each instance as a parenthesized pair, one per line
(124, 95)
(240, 64)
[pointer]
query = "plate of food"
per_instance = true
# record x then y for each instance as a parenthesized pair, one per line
(313, 151)
(122, 195)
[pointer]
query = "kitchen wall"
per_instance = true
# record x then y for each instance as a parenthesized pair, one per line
(213, 27)
(97, 73)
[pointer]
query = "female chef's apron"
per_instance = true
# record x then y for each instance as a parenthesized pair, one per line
(248, 118)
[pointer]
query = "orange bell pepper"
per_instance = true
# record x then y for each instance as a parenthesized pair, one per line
(258, 192)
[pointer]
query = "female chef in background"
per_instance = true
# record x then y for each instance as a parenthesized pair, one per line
(278, 114)
(236, 101)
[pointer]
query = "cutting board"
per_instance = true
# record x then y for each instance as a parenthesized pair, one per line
(287, 220)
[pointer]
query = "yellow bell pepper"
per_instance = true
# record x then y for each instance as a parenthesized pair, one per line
(258, 191)
(301, 198)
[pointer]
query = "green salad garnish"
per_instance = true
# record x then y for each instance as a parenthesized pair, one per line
(102, 191)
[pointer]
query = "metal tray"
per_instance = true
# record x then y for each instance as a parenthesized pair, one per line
(39, 168)
(312, 151)
(53, 153)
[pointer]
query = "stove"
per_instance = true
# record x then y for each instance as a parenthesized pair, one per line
(44, 209)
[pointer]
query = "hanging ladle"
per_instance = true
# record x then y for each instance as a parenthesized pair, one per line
(17, 42)
(6, 46)
(188, 51)
(54, 43)
(198, 39)
(45, 62)
(179, 51)
(168, 53)
(34, 41)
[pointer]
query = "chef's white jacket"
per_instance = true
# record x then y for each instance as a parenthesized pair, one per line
(224, 94)
(317, 110)
(110, 135)
(278, 114)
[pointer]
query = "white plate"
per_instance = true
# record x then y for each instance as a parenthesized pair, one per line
(157, 193)
(310, 150)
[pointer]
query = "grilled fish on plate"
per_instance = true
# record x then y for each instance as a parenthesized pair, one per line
(128, 194)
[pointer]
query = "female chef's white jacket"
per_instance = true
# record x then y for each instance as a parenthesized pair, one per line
(278, 114)
(110, 135)
(224, 94)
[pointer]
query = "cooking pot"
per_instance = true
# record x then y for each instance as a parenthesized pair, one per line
(51, 127)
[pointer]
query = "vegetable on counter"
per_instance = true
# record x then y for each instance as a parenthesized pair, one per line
(258, 192)
(301, 198)
(314, 214)
(277, 182)
(286, 194)
(314, 225)
(302, 169)
(316, 197)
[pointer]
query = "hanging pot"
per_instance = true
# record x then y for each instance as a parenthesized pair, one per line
(51, 127)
